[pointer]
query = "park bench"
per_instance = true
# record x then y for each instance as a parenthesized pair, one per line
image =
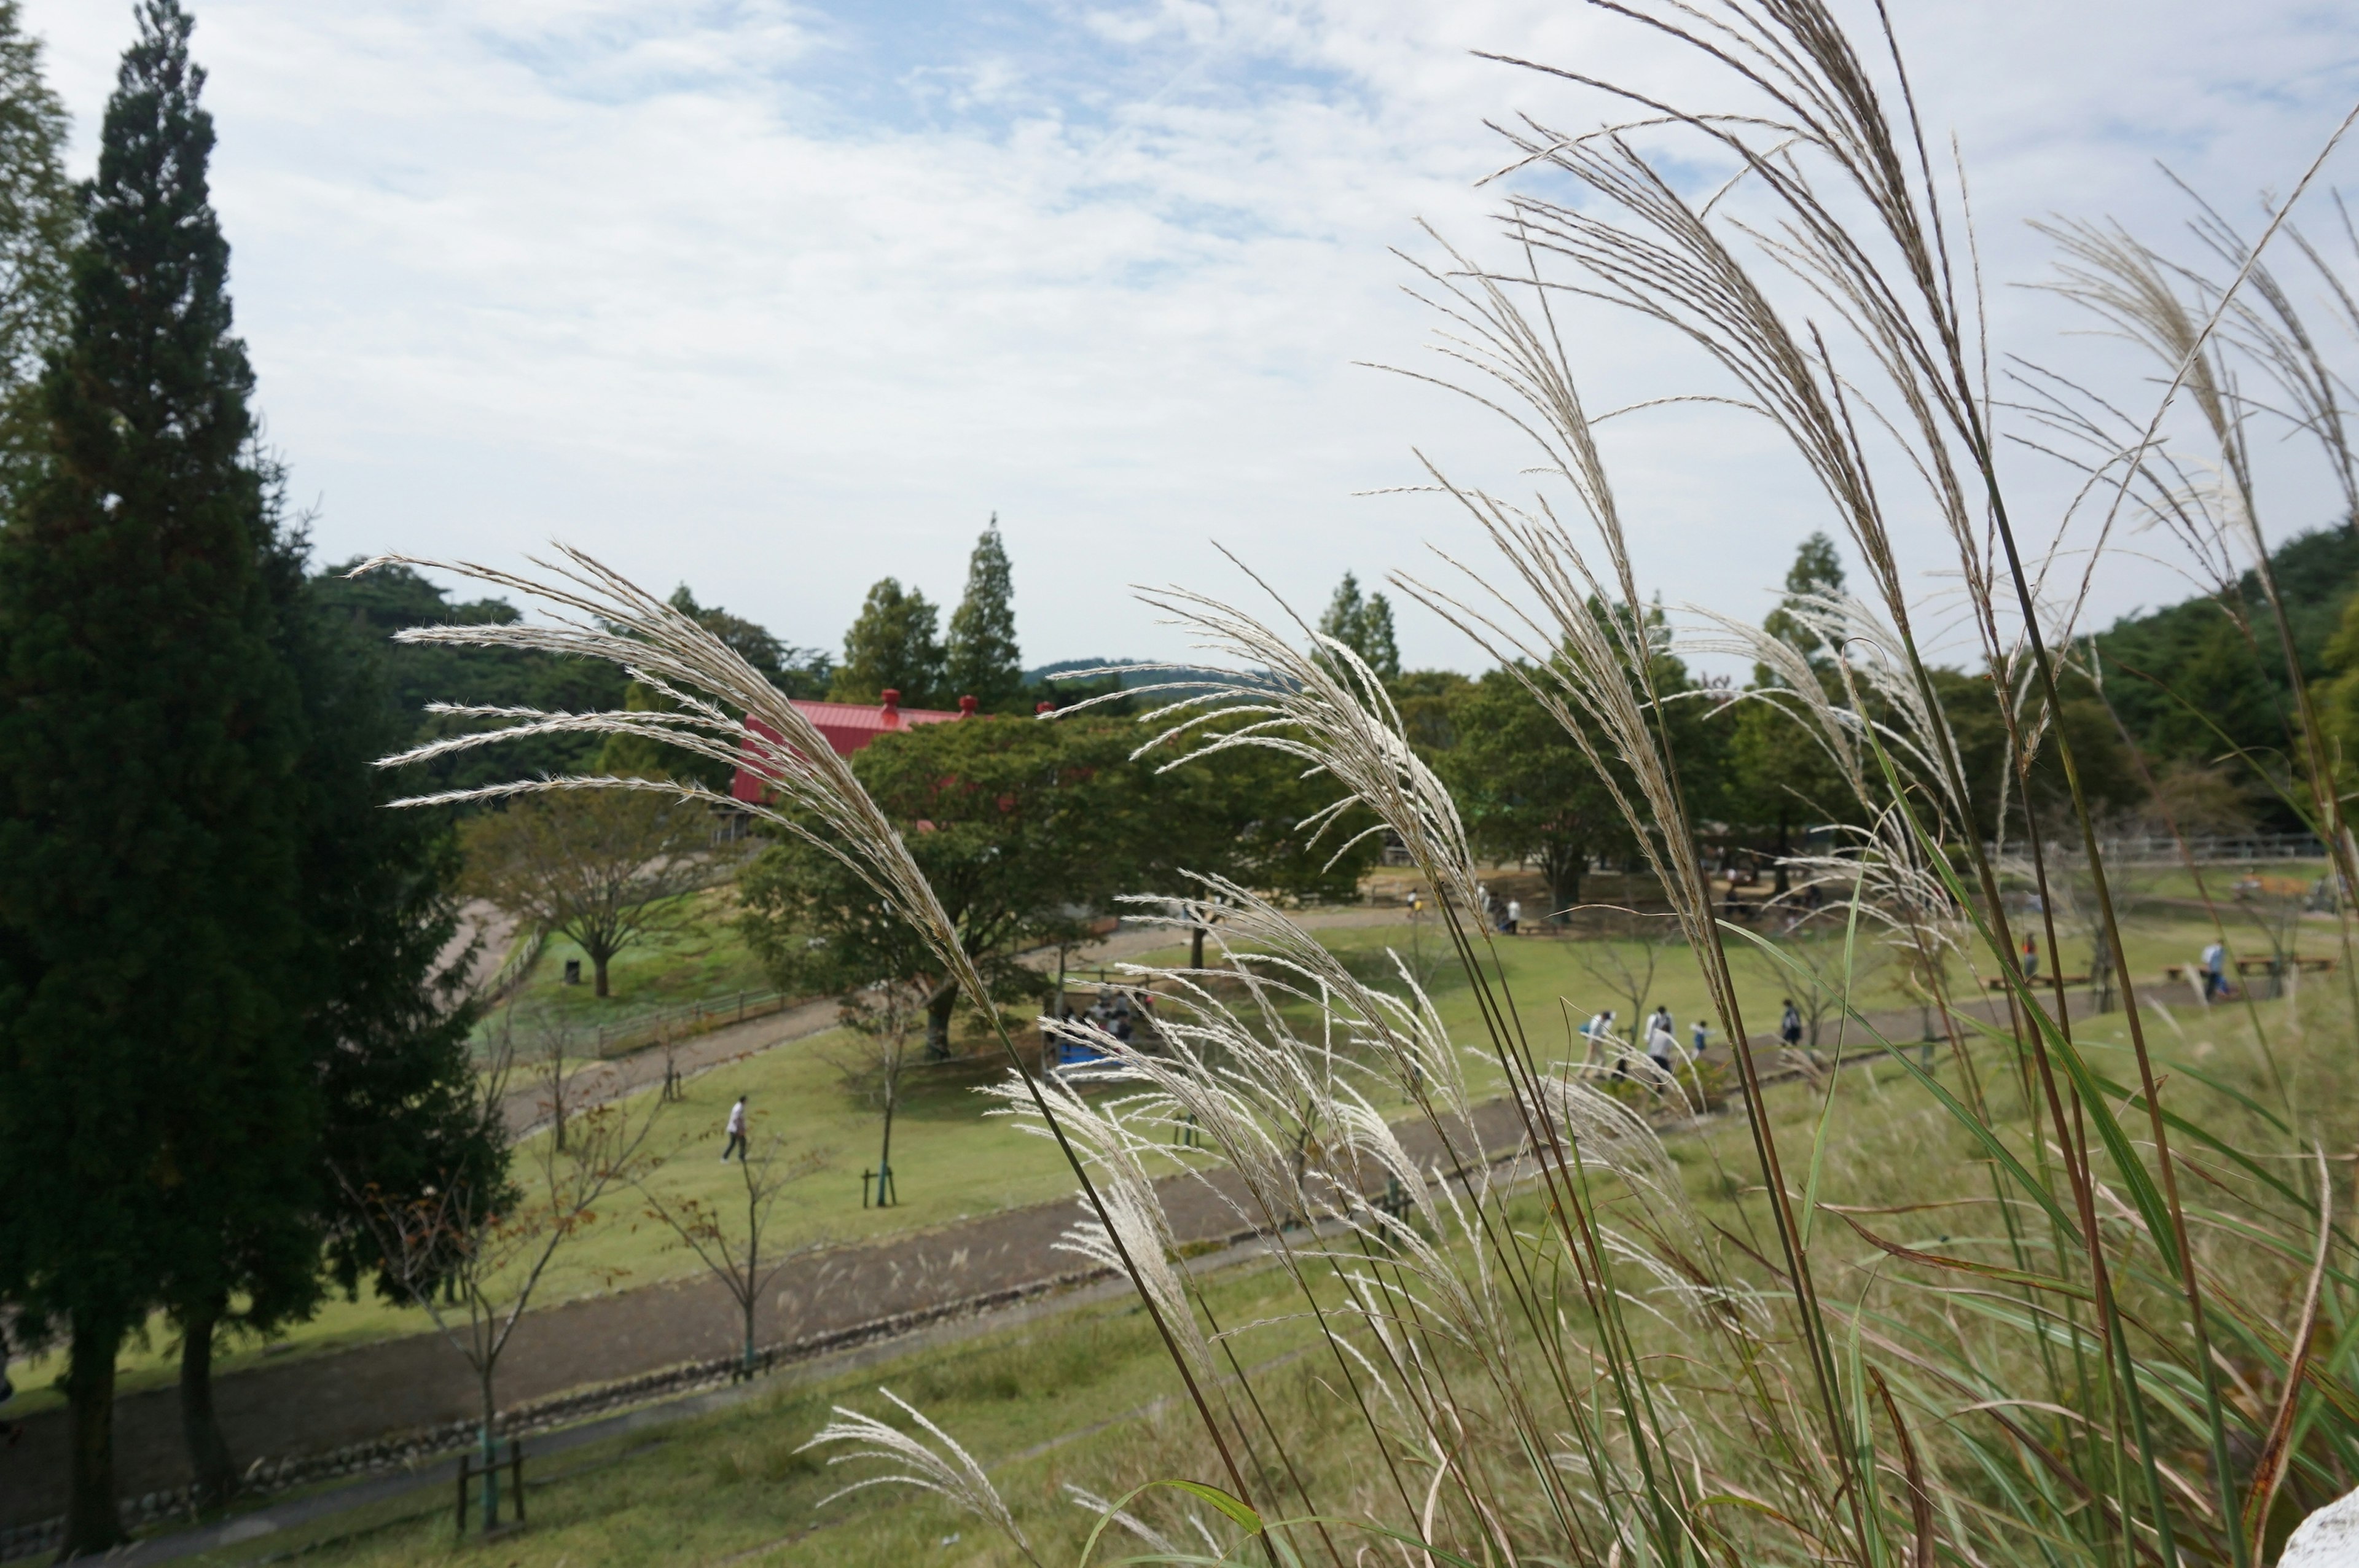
(1998, 983)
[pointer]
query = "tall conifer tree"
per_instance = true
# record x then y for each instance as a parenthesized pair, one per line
(1365, 625)
(36, 229)
(156, 1126)
(983, 661)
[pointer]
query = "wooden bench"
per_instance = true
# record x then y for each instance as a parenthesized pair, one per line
(1998, 983)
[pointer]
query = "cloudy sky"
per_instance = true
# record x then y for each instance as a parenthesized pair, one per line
(778, 298)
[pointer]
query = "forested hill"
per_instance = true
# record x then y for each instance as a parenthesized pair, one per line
(2196, 649)
(392, 597)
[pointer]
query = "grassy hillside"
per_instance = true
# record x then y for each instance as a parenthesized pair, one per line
(1087, 1399)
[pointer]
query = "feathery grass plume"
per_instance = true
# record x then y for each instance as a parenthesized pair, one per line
(1447, 1279)
(1586, 657)
(1116, 1153)
(720, 704)
(942, 1467)
(2171, 313)
(1328, 711)
(1857, 219)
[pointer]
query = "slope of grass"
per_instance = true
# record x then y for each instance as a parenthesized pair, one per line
(1072, 1399)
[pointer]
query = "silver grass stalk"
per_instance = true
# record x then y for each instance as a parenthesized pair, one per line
(942, 1467)
(1323, 708)
(598, 613)
(1129, 1209)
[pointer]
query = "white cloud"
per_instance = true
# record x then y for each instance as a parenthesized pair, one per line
(779, 299)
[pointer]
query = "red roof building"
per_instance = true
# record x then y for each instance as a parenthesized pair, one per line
(847, 727)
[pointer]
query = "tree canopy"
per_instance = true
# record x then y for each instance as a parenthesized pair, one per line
(1025, 830)
(892, 645)
(607, 868)
(39, 220)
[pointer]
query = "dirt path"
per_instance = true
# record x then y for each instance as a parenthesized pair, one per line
(323, 1402)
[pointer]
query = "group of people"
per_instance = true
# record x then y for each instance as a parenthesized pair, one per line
(1506, 915)
(1660, 1036)
(1119, 1015)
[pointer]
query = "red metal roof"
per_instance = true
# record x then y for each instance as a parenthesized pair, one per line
(847, 727)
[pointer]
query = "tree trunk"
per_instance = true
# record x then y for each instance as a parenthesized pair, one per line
(1785, 848)
(937, 1025)
(884, 1155)
(93, 1525)
(1196, 948)
(752, 1298)
(1564, 867)
(598, 963)
(209, 1460)
(491, 1457)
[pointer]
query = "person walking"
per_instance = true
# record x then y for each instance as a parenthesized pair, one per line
(1662, 1045)
(2215, 971)
(1698, 1033)
(1515, 914)
(736, 1144)
(1789, 1027)
(2030, 957)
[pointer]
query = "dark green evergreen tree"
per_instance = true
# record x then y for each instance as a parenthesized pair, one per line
(38, 216)
(383, 1023)
(895, 645)
(156, 1118)
(1363, 623)
(1817, 569)
(983, 661)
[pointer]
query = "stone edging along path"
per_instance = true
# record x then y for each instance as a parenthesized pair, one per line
(314, 1414)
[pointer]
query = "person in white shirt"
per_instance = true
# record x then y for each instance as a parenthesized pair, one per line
(2215, 971)
(1661, 1043)
(736, 1144)
(1698, 1032)
(1515, 914)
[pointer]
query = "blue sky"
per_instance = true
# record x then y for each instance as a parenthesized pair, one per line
(777, 298)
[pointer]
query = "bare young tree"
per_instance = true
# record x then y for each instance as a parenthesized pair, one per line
(1625, 964)
(557, 1073)
(1813, 967)
(883, 1019)
(472, 1254)
(605, 867)
(725, 1234)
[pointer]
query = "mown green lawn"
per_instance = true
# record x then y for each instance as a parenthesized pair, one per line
(703, 959)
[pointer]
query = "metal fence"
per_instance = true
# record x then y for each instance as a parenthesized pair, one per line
(625, 1036)
(2250, 848)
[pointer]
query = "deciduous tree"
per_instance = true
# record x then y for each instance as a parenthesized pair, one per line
(606, 868)
(1525, 789)
(1025, 830)
(893, 646)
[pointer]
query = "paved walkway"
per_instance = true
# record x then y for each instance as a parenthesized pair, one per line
(324, 1401)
